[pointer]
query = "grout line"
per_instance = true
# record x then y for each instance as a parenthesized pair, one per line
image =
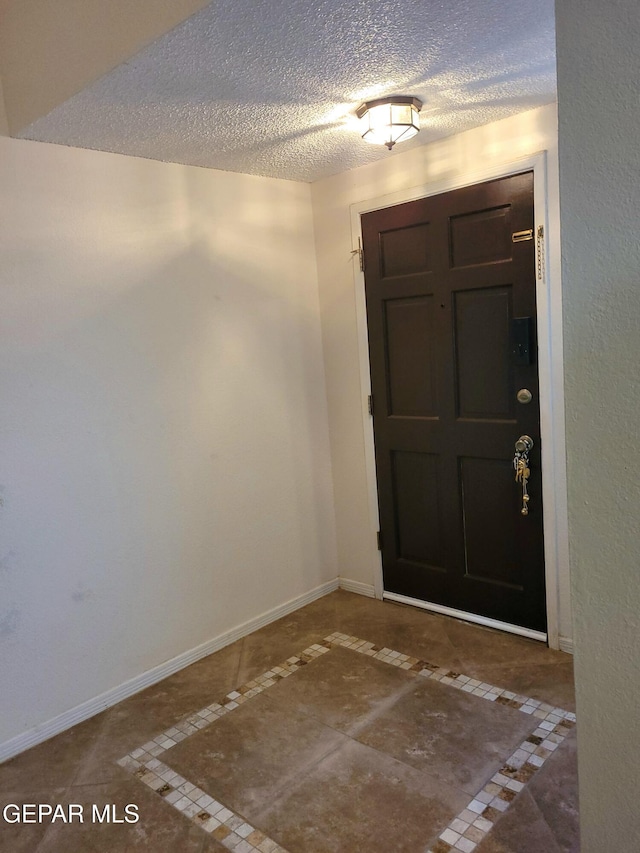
(550, 725)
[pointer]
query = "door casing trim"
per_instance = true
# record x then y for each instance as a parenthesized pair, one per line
(550, 367)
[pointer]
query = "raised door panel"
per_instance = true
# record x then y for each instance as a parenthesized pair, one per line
(411, 369)
(416, 484)
(484, 376)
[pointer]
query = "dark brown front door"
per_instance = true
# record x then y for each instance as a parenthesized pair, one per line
(447, 292)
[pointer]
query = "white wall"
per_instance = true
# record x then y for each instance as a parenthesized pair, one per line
(492, 145)
(164, 460)
(598, 73)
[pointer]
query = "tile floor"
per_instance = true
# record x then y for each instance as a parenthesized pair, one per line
(350, 725)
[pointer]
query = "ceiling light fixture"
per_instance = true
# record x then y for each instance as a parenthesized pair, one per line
(386, 121)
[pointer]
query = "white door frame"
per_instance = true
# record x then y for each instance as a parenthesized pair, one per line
(550, 367)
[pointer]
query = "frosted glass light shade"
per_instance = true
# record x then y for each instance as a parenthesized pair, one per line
(386, 121)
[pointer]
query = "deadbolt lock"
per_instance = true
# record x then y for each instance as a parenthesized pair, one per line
(524, 396)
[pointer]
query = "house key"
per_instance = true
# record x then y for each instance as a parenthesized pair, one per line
(521, 466)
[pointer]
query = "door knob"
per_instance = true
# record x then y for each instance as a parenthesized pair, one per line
(521, 467)
(524, 444)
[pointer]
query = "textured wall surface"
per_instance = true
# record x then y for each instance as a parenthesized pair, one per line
(270, 87)
(49, 51)
(498, 143)
(599, 127)
(164, 459)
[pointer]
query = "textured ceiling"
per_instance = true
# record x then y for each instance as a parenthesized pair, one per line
(269, 87)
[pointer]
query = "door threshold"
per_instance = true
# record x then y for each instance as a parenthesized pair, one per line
(467, 617)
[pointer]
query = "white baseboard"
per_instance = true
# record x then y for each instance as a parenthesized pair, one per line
(565, 644)
(94, 706)
(357, 587)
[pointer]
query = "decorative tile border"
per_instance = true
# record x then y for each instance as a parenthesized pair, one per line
(472, 824)
(227, 827)
(221, 822)
(463, 833)
(467, 829)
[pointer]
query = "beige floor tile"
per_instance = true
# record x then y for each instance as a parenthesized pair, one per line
(54, 763)
(24, 837)
(461, 739)
(358, 799)
(343, 689)
(141, 717)
(550, 683)
(276, 642)
(345, 755)
(475, 644)
(160, 827)
(406, 629)
(251, 754)
(555, 792)
(522, 829)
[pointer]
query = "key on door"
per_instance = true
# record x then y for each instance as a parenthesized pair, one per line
(521, 466)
